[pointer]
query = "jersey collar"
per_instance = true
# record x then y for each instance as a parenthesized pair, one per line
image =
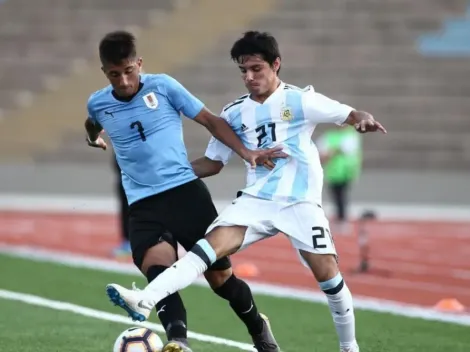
(279, 89)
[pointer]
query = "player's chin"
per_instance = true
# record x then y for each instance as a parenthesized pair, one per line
(125, 92)
(256, 90)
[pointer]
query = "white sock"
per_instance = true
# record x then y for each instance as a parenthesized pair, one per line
(181, 274)
(341, 307)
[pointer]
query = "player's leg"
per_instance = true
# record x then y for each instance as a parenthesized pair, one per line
(325, 269)
(153, 251)
(308, 230)
(197, 212)
(237, 292)
(219, 243)
(124, 247)
(171, 310)
(222, 240)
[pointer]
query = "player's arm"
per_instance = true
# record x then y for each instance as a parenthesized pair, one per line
(194, 109)
(93, 130)
(321, 109)
(221, 130)
(205, 167)
(217, 155)
(364, 122)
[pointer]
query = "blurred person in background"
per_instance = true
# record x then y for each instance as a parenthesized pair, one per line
(124, 249)
(341, 157)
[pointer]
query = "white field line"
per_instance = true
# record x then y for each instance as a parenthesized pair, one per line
(97, 314)
(364, 303)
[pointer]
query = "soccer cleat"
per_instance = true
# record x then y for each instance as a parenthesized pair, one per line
(177, 345)
(354, 348)
(265, 341)
(129, 300)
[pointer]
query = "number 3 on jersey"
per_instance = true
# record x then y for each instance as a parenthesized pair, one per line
(140, 129)
(263, 132)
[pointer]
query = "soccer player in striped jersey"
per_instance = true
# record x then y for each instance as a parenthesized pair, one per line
(283, 197)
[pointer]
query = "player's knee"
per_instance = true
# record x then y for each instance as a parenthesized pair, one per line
(217, 278)
(332, 286)
(226, 240)
(161, 254)
(219, 243)
(231, 288)
(323, 266)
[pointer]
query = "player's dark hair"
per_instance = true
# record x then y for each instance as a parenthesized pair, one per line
(256, 43)
(117, 46)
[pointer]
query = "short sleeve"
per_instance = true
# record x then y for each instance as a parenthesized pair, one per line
(91, 112)
(318, 108)
(218, 151)
(181, 99)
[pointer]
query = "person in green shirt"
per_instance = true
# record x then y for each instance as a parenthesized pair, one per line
(341, 157)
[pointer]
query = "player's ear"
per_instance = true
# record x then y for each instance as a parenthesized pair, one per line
(277, 65)
(139, 62)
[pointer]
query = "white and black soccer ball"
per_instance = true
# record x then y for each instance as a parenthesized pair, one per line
(138, 339)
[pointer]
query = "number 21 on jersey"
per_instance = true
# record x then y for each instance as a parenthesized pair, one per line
(266, 134)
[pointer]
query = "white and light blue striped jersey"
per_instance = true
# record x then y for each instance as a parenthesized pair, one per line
(288, 118)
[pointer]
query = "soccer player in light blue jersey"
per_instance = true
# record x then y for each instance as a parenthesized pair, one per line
(285, 199)
(168, 203)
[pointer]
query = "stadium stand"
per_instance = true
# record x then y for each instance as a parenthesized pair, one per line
(362, 52)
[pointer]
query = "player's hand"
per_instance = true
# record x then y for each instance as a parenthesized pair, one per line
(269, 164)
(259, 157)
(98, 143)
(369, 124)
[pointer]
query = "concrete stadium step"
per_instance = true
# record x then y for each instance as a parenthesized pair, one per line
(416, 160)
(197, 19)
(361, 52)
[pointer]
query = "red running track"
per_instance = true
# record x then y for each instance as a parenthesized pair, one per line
(411, 261)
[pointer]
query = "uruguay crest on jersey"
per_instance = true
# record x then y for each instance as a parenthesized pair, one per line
(150, 100)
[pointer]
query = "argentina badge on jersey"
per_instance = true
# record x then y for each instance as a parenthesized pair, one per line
(151, 100)
(286, 114)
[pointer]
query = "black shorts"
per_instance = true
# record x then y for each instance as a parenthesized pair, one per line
(181, 214)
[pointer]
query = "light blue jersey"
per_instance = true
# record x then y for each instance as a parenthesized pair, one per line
(288, 118)
(147, 134)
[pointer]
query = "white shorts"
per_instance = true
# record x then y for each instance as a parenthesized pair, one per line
(304, 223)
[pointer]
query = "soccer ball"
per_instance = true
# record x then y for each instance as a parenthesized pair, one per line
(138, 340)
